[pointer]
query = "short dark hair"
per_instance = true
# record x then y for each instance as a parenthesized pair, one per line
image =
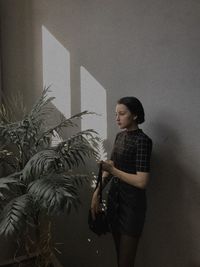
(135, 107)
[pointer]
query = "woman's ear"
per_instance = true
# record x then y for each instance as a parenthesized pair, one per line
(135, 117)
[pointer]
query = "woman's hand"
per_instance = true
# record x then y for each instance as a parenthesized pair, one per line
(95, 204)
(107, 166)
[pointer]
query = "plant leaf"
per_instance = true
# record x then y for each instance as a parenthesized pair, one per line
(56, 192)
(15, 214)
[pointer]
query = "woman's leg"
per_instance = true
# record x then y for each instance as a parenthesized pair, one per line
(127, 250)
(116, 238)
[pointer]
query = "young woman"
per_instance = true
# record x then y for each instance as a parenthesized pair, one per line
(129, 169)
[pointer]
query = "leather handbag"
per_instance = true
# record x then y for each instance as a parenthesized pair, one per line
(99, 225)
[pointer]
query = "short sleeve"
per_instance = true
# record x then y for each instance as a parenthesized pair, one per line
(143, 154)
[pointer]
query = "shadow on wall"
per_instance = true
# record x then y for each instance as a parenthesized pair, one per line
(171, 234)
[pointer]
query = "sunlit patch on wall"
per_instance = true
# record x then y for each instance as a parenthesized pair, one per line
(93, 98)
(56, 71)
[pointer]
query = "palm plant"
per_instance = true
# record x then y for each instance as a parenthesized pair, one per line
(42, 180)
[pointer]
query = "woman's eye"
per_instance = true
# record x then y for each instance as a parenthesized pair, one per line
(119, 114)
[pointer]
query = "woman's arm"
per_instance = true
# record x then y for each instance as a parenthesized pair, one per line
(143, 154)
(140, 179)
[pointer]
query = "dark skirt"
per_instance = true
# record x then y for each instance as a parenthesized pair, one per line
(126, 208)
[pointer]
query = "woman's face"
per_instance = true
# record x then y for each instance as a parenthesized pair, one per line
(124, 118)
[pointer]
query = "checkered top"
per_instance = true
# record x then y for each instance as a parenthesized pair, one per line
(132, 151)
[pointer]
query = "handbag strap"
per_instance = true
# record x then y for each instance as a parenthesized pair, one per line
(99, 182)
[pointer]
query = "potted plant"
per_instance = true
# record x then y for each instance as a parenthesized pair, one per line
(41, 180)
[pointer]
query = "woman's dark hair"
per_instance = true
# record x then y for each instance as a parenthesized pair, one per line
(134, 106)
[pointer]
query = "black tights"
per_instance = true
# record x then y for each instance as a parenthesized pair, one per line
(126, 247)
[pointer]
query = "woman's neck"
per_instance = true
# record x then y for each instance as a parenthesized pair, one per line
(132, 128)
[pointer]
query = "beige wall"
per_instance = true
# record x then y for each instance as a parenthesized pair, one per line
(149, 49)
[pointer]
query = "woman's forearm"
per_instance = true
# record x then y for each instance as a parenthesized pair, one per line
(139, 180)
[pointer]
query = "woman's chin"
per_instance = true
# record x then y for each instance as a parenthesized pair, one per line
(121, 126)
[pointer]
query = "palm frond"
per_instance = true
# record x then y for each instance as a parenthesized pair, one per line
(41, 164)
(5, 181)
(13, 107)
(56, 193)
(10, 184)
(24, 134)
(77, 179)
(102, 155)
(40, 105)
(64, 156)
(14, 215)
(76, 148)
(15, 134)
(62, 124)
(4, 116)
(7, 157)
(4, 153)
